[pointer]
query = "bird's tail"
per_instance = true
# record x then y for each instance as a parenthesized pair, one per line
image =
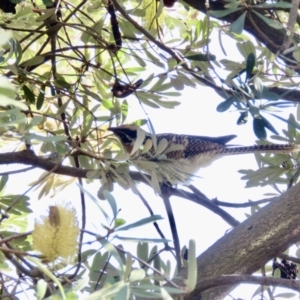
(270, 148)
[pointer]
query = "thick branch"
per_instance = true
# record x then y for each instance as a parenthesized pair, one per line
(237, 279)
(251, 244)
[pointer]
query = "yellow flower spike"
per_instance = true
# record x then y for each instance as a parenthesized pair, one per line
(56, 235)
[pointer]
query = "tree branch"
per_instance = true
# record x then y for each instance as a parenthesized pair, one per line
(251, 244)
(237, 279)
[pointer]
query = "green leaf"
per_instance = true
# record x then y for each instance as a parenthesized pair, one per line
(50, 12)
(141, 222)
(144, 240)
(88, 92)
(259, 128)
(232, 4)
(250, 65)
(266, 94)
(6, 35)
(258, 86)
(63, 83)
(3, 182)
(269, 126)
(72, 295)
(107, 292)
(107, 104)
(119, 222)
(243, 118)
(143, 251)
(123, 293)
(272, 23)
(37, 60)
(223, 13)
(223, 106)
(29, 94)
(94, 200)
(41, 98)
(48, 2)
(137, 275)
(192, 266)
(291, 122)
(112, 202)
(246, 48)
(33, 136)
(201, 57)
(238, 25)
(41, 288)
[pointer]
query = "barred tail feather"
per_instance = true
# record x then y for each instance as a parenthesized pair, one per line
(276, 148)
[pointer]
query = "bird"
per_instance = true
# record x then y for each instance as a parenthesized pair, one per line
(175, 158)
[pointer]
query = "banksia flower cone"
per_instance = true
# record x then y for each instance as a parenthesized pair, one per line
(56, 235)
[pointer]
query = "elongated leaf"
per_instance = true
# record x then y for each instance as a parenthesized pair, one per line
(3, 182)
(269, 126)
(192, 266)
(246, 48)
(266, 94)
(29, 94)
(250, 65)
(94, 200)
(258, 86)
(289, 122)
(106, 292)
(123, 293)
(32, 136)
(143, 251)
(112, 202)
(41, 288)
(137, 275)
(225, 105)
(272, 23)
(5, 101)
(40, 98)
(223, 13)
(147, 220)
(37, 60)
(46, 15)
(63, 83)
(238, 25)
(139, 140)
(201, 57)
(259, 128)
(243, 118)
(143, 240)
(6, 35)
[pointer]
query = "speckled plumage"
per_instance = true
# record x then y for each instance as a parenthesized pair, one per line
(196, 152)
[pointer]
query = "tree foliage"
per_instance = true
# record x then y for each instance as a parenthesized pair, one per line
(72, 69)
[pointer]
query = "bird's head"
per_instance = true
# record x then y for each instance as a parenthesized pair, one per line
(128, 135)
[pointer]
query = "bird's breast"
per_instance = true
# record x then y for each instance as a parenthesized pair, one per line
(193, 164)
